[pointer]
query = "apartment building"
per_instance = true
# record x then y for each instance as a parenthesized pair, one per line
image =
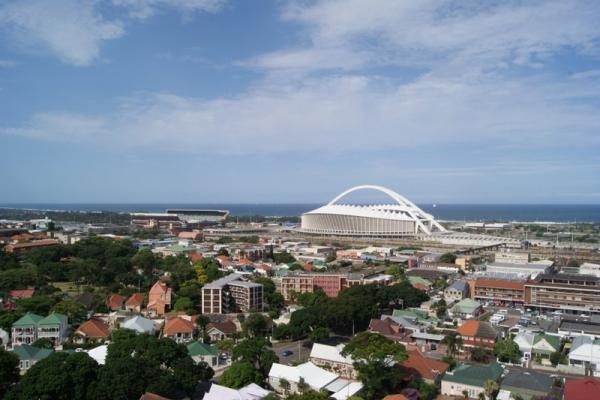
(500, 291)
(231, 295)
(572, 293)
(331, 284)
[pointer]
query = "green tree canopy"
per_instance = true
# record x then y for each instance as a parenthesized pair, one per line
(374, 358)
(241, 373)
(9, 370)
(507, 351)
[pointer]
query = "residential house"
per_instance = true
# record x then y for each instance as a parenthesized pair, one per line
(180, 329)
(470, 378)
(389, 328)
(525, 342)
(417, 366)
(331, 358)
(221, 330)
(203, 352)
(457, 291)
(585, 353)
(93, 330)
(466, 309)
(248, 392)
(139, 324)
(24, 330)
(88, 300)
(159, 299)
(527, 384)
(54, 327)
(543, 346)
(29, 355)
(115, 302)
(477, 334)
(135, 302)
(286, 379)
(587, 388)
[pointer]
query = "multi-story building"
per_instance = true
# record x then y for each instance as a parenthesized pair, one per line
(331, 284)
(231, 295)
(500, 291)
(572, 293)
(54, 328)
(25, 329)
(456, 291)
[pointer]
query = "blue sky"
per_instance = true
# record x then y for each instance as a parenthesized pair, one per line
(294, 101)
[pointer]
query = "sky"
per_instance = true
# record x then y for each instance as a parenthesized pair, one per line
(222, 101)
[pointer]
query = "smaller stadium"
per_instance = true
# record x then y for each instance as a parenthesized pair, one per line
(399, 218)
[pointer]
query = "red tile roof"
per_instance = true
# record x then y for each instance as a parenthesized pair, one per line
(152, 396)
(135, 300)
(115, 301)
(245, 261)
(30, 245)
(195, 257)
(178, 325)
(94, 328)
(159, 288)
(418, 365)
(21, 294)
(386, 327)
(474, 328)
(226, 327)
(582, 389)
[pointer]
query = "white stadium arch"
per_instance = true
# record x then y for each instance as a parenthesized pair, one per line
(401, 218)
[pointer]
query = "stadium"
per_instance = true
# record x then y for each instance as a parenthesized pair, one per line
(401, 218)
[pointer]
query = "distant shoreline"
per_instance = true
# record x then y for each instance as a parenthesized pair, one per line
(516, 213)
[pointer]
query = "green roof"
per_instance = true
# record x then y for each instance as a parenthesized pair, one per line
(553, 341)
(28, 352)
(421, 316)
(474, 374)
(417, 279)
(201, 349)
(54, 319)
(29, 319)
(466, 306)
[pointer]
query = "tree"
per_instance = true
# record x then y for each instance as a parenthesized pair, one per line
(374, 359)
(440, 308)
(310, 395)
(556, 358)
(478, 354)
(255, 351)
(240, 374)
(319, 334)
(453, 341)
(184, 304)
(449, 258)
(285, 385)
(59, 376)
(490, 388)
(37, 304)
(74, 311)
(507, 351)
(9, 370)
(255, 325)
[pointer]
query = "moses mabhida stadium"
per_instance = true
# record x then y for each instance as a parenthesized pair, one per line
(399, 218)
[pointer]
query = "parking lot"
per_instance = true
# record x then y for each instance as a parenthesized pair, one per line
(296, 352)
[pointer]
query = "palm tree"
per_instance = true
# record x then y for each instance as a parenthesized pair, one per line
(454, 343)
(490, 388)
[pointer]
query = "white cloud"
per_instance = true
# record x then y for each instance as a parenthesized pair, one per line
(146, 8)
(76, 30)
(7, 63)
(72, 30)
(339, 113)
(427, 32)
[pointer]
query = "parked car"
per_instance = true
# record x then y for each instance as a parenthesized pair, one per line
(287, 353)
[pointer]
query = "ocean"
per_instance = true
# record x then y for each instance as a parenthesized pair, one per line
(456, 212)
